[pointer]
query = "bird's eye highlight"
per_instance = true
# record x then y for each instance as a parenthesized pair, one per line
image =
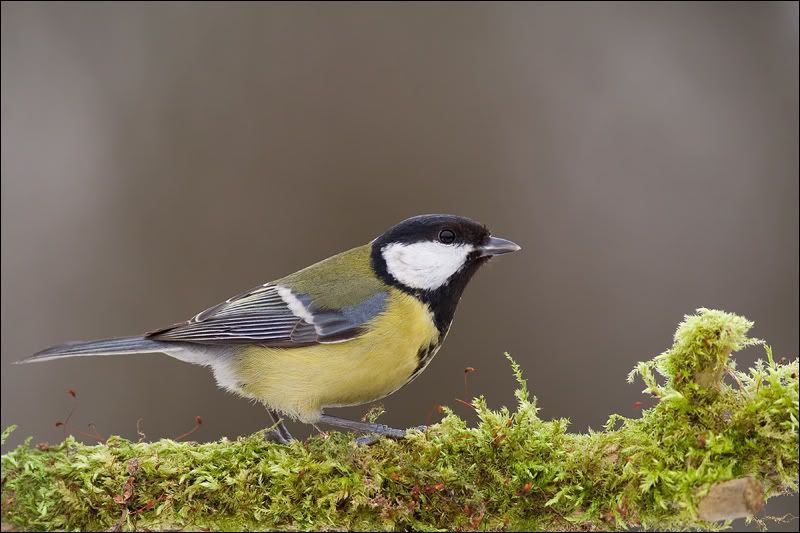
(447, 236)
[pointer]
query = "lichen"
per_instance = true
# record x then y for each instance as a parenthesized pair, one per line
(512, 471)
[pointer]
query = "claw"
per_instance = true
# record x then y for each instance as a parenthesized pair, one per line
(273, 435)
(367, 440)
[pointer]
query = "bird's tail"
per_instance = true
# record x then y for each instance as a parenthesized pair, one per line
(118, 346)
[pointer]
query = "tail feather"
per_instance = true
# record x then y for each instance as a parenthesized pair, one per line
(118, 346)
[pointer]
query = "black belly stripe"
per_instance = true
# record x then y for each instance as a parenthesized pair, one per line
(425, 354)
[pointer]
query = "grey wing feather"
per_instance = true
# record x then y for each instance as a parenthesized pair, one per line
(263, 316)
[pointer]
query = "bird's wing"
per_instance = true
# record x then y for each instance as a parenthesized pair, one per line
(276, 316)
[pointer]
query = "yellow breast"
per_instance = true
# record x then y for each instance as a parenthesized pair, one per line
(300, 382)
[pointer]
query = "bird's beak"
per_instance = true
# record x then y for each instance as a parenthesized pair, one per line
(498, 246)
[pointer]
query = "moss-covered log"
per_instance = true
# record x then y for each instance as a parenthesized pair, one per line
(709, 450)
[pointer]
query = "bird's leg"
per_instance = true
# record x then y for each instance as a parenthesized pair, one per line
(365, 427)
(279, 433)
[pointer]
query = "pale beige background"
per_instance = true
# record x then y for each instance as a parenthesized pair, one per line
(157, 159)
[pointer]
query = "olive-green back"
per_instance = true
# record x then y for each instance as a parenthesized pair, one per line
(344, 280)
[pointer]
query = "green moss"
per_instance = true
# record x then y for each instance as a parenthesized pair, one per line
(700, 356)
(512, 471)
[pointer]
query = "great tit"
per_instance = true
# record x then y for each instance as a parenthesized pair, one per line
(346, 331)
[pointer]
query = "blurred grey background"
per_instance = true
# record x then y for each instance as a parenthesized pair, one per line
(159, 158)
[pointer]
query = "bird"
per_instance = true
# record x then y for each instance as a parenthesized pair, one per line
(348, 330)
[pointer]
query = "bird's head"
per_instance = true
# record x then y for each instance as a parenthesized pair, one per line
(431, 253)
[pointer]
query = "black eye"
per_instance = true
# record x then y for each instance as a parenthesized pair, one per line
(447, 236)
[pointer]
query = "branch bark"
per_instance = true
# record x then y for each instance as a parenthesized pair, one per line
(737, 498)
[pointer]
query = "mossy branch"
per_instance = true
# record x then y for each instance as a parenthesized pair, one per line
(708, 451)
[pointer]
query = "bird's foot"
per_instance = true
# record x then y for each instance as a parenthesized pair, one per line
(374, 431)
(278, 432)
(274, 435)
(372, 438)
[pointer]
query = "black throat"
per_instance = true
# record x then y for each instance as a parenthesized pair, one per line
(442, 301)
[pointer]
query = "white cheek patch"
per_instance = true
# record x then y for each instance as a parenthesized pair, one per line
(424, 265)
